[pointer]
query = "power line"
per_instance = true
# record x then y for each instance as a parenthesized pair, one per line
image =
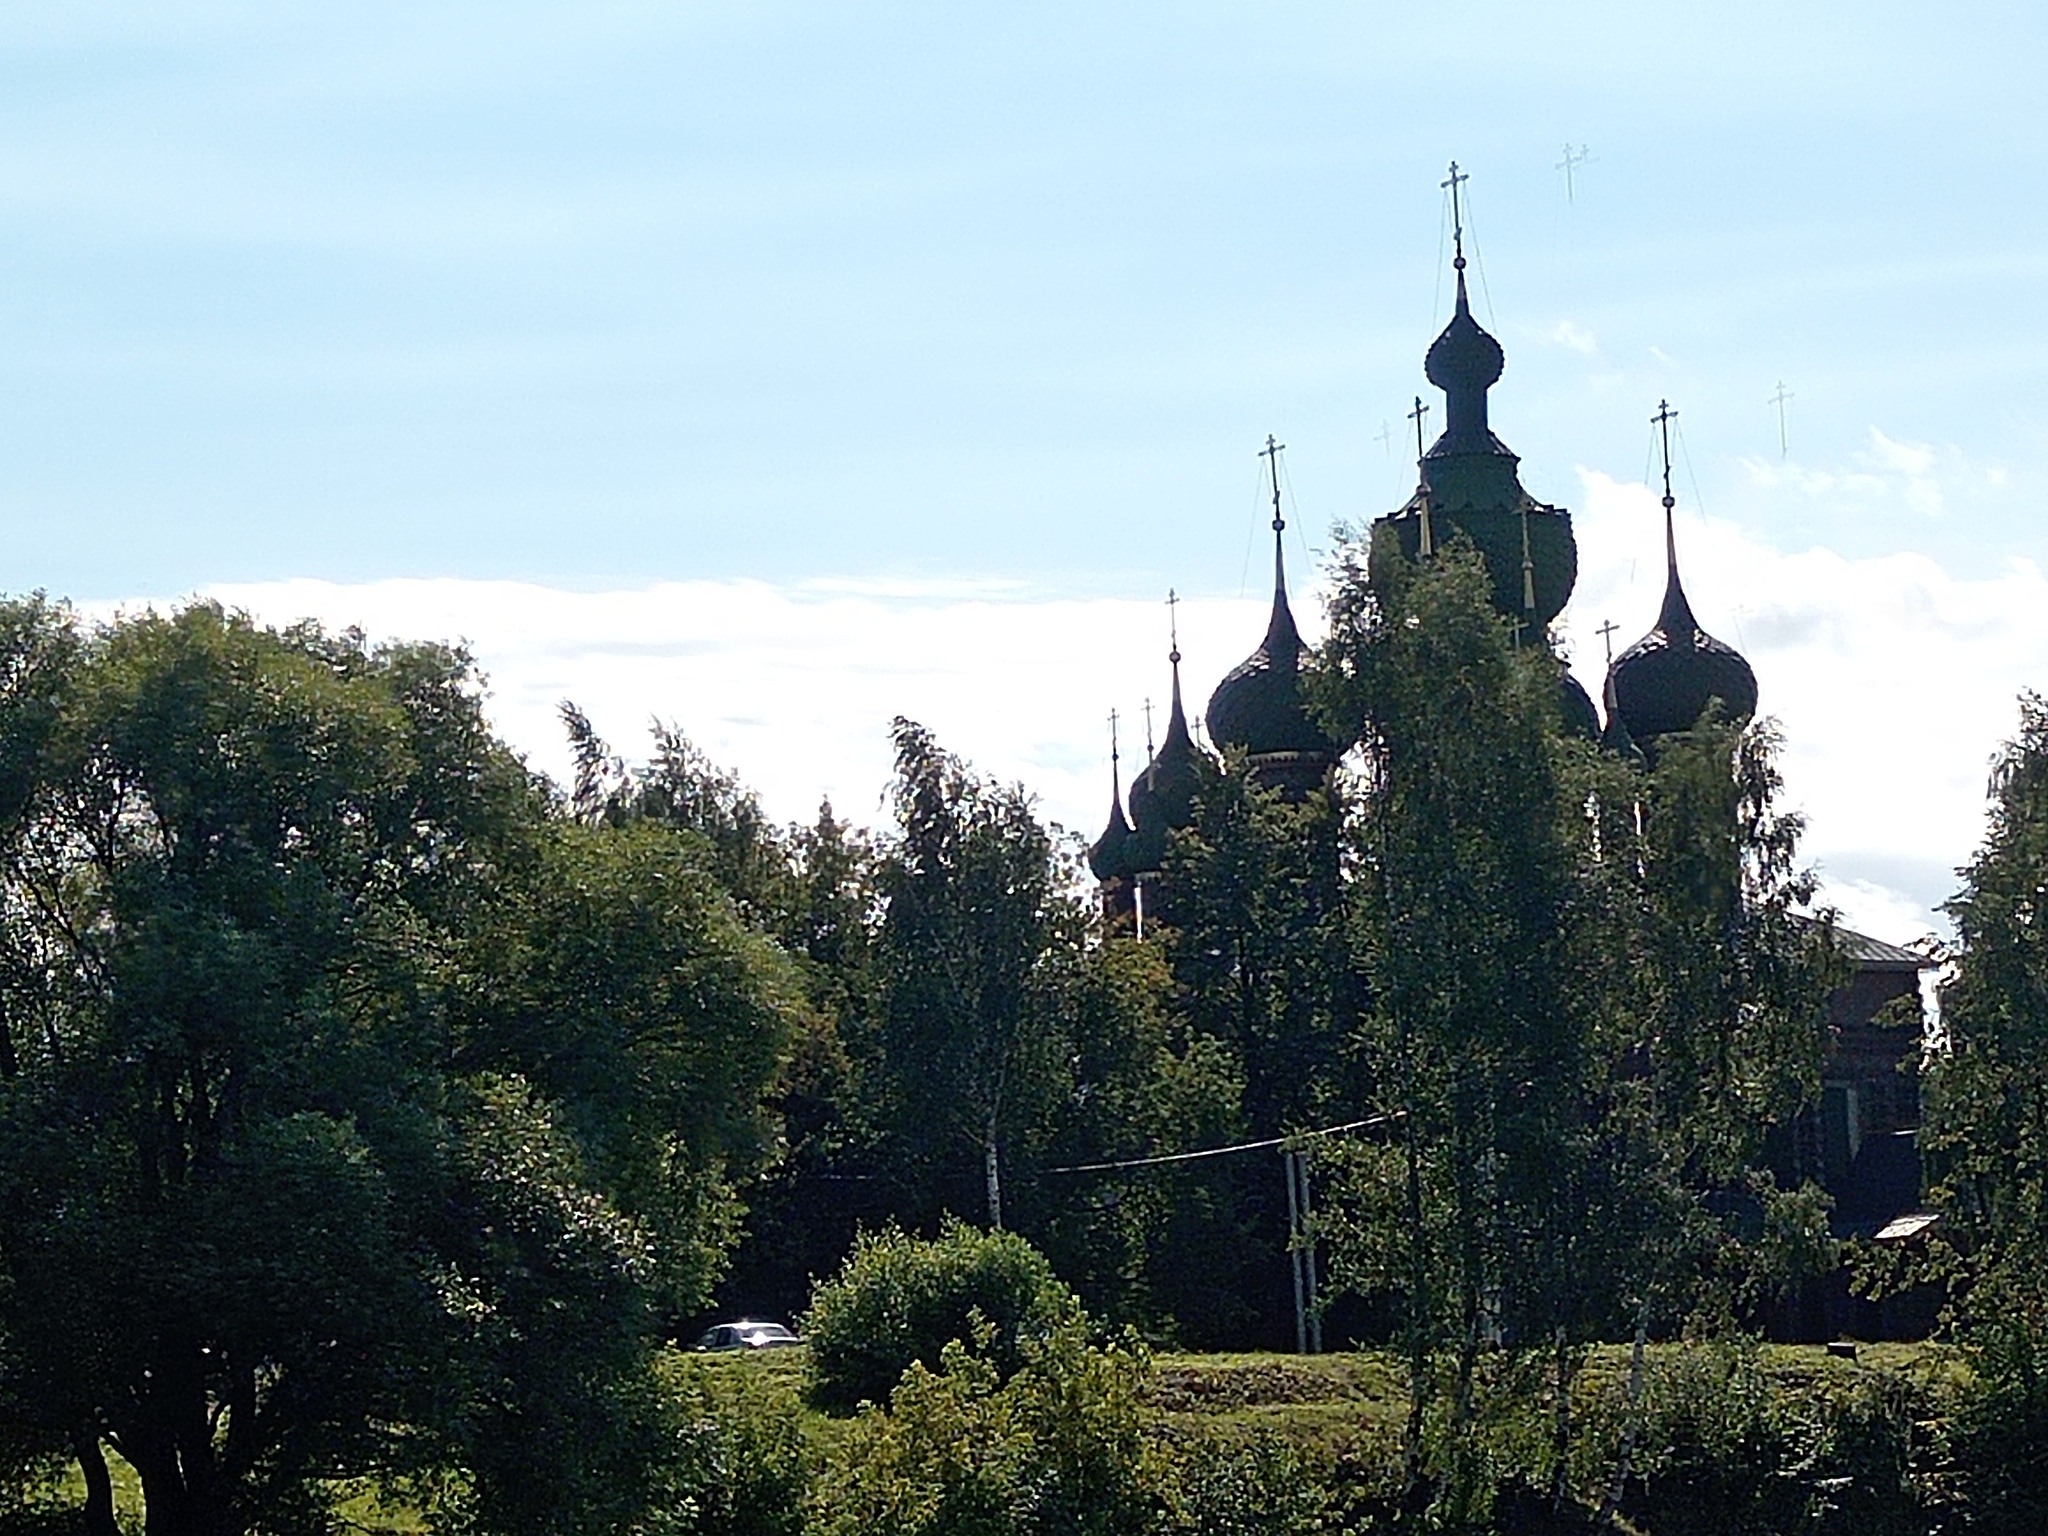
(1242, 1146)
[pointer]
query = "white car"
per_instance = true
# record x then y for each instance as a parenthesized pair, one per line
(747, 1335)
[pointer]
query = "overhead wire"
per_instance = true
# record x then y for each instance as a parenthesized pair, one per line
(1261, 1145)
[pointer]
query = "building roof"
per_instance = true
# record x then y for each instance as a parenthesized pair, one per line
(1868, 954)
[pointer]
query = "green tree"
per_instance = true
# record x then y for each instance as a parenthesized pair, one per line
(1259, 944)
(347, 1120)
(965, 1053)
(1986, 1133)
(1466, 852)
(1591, 1001)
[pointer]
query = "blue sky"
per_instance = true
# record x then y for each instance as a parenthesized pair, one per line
(598, 296)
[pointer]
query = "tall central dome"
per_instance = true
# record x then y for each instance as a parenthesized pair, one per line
(1468, 483)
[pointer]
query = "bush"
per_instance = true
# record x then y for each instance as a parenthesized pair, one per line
(738, 1467)
(1057, 1450)
(901, 1299)
(1998, 1440)
(1727, 1449)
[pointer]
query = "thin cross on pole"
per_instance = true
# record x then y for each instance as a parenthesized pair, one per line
(1271, 453)
(1662, 421)
(1456, 180)
(1148, 731)
(1386, 439)
(1779, 400)
(1573, 159)
(1425, 543)
(1607, 632)
(1173, 625)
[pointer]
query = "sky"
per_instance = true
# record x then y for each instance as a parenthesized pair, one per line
(775, 369)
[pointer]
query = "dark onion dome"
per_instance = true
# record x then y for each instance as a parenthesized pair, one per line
(1110, 857)
(1665, 681)
(1163, 796)
(1258, 707)
(1580, 719)
(1465, 362)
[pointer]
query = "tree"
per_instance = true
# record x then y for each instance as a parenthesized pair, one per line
(965, 1050)
(1477, 1038)
(1986, 1133)
(1591, 1001)
(352, 1111)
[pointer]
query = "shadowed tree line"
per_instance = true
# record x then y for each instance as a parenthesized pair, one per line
(370, 1107)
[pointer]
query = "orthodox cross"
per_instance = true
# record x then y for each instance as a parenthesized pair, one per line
(1173, 625)
(1112, 743)
(1779, 400)
(1662, 422)
(1416, 416)
(1386, 439)
(1148, 731)
(1271, 452)
(1426, 545)
(1457, 179)
(1571, 162)
(1607, 632)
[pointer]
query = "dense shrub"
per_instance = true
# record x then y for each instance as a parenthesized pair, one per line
(1056, 1450)
(1246, 1485)
(739, 1467)
(901, 1299)
(1727, 1449)
(1998, 1445)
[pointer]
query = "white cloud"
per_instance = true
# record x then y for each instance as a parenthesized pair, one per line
(794, 687)
(1569, 333)
(1893, 681)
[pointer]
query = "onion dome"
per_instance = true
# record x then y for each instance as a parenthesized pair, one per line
(1110, 856)
(1580, 718)
(1665, 682)
(1465, 362)
(1469, 484)
(1258, 707)
(1163, 796)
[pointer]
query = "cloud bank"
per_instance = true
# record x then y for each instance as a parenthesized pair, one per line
(1893, 680)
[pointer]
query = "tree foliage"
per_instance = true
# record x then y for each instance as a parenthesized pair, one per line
(1588, 1001)
(355, 1114)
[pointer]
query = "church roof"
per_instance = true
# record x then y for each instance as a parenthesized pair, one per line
(1665, 682)
(1258, 706)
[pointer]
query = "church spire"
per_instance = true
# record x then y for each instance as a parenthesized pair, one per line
(1110, 858)
(1258, 706)
(1464, 362)
(1667, 681)
(1271, 454)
